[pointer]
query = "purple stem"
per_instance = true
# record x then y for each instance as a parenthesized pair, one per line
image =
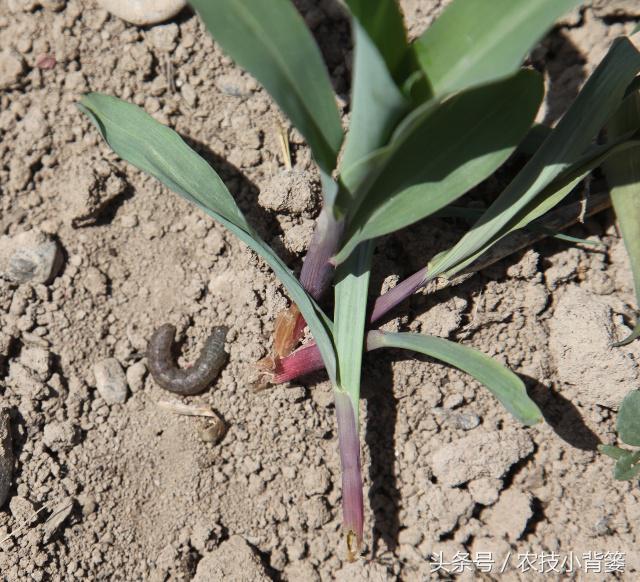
(317, 271)
(398, 294)
(352, 502)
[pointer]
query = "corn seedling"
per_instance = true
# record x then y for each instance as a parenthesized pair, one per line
(429, 120)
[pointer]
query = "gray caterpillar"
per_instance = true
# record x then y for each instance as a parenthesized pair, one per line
(165, 371)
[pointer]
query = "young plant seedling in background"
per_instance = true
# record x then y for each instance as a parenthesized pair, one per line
(429, 120)
(627, 462)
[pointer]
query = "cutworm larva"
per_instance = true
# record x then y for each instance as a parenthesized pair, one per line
(165, 371)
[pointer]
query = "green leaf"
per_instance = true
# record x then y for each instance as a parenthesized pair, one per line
(478, 41)
(471, 214)
(622, 172)
(376, 105)
(616, 453)
(440, 152)
(628, 423)
(270, 40)
(534, 139)
(159, 151)
(627, 467)
(500, 381)
(564, 147)
(352, 284)
(636, 29)
(382, 22)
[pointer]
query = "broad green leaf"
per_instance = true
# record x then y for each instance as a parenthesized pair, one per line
(471, 214)
(599, 98)
(636, 29)
(376, 105)
(627, 467)
(271, 41)
(628, 422)
(501, 382)
(352, 284)
(382, 22)
(534, 139)
(159, 151)
(478, 41)
(616, 453)
(439, 153)
(622, 172)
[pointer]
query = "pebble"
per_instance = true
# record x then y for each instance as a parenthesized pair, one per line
(110, 381)
(135, 376)
(11, 69)
(30, 257)
(6, 455)
(214, 431)
(143, 12)
(466, 421)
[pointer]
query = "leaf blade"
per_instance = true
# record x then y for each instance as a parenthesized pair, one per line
(159, 151)
(622, 172)
(570, 138)
(476, 42)
(501, 382)
(628, 423)
(460, 143)
(271, 41)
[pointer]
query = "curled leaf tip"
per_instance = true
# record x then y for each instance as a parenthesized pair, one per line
(631, 337)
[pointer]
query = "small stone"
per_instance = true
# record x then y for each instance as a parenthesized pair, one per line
(214, 431)
(143, 12)
(30, 256)
(135, 376)
(234, 559)
(6, 455)
(129, 221)
(110, 381)
(59, 513)
(60, 436)
(37, 359)
(466, 421)
(11, 69)
(453, 401)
